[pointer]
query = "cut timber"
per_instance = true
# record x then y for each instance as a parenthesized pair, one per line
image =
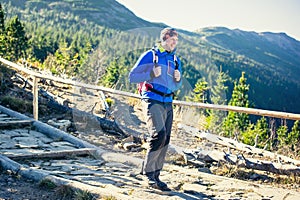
(16, 122)
(208, 156)
(108, 126)
(55, 154)
(246, 148)
(276, 168)
(55, 102)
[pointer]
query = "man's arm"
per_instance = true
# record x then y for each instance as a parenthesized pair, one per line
(142, 68)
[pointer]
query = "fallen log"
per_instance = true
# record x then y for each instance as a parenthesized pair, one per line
(54, 154)
(56, 103)
(246, 148)
(209, 156)
(15, 122)
(108, 126)
(262, 165)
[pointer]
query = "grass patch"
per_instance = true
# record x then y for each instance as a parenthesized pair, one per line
(83, 195)
(48, 184)
(17, 104)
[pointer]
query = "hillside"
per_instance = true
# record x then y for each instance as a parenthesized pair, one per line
(270, 60)
(273, 50)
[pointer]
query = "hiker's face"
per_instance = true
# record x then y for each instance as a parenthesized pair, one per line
(171, 43)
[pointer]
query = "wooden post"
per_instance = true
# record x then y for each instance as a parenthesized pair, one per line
(35, 102)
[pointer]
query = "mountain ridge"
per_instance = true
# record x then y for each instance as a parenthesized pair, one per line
(260, 47)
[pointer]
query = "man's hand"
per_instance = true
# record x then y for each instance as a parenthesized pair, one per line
(177, 75)
(156, 72)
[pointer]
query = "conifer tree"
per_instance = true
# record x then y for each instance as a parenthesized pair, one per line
(112, 74)
(282, 132)
(16, 39)
(218, 96)
(200, 92)
(258, 134)
(236, 122)
(2, 20)
(293, 137)
(2, 45)
(3, 42)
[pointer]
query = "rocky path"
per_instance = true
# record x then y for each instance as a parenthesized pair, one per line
(114, 172)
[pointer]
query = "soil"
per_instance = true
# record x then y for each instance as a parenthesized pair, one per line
(17, 188)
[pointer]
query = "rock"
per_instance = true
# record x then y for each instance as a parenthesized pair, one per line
(26, 142)
(130, 145)
(11, 133)
(60, 124)
(193, 188)
(8, 145)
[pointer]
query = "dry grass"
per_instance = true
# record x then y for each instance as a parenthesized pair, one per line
(108, 198)
(64, 192)
(257, 176)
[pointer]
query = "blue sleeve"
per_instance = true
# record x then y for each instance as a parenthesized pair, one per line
(141, 71)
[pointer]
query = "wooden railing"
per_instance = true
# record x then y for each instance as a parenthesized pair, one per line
(36, 76)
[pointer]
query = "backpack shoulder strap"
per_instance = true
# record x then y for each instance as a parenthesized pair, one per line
(176, 62)
(155, 58)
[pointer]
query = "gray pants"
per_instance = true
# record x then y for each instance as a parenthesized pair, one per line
(159, 119)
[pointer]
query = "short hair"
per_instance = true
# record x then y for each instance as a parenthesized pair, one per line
(167, 32)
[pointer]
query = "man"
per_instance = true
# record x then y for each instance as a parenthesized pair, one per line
(159, 73)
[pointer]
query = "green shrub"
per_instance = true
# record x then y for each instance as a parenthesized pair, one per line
(109, 101)
(257, 134)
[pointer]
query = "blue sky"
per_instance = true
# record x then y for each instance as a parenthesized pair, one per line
(248, 15)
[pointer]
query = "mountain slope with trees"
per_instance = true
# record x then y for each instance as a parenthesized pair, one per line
(271, 62)
(82, 37)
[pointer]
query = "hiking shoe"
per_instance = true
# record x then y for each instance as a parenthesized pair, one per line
(151, 182)
(158, 186)
(161, 184)
(150, 179)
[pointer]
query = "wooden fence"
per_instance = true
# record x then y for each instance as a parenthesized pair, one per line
(36, 76)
